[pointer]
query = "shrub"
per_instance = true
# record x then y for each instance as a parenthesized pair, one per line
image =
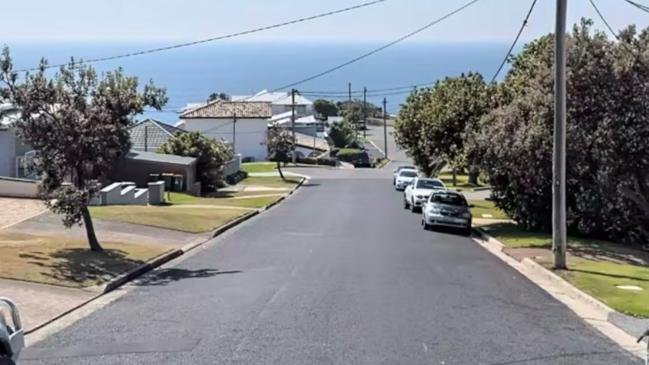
(341, 134)
(608, 130)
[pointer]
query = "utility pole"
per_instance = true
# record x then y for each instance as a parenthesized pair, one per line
(364, 112)
(234, 133)
(559, 149)
(385, 127)
(293, 91)
(146, 138)
(349, 88)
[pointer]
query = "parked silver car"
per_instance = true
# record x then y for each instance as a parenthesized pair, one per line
(12, 337)
(448, 209)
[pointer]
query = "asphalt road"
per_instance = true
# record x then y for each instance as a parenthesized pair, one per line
(337, 274)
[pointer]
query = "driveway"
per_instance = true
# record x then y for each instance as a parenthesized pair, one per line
(13, 210)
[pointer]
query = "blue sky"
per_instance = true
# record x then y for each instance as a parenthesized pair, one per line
(176, 20)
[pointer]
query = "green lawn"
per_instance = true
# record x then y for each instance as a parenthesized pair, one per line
(488, 207)
(192, 220)
(258, 166)
(462, 180)
(65, 261)
(602, 278)
(271, 181)
(242, 201)
(348, 151)
(594, 266)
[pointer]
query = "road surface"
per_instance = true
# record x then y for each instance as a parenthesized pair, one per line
(337, 274)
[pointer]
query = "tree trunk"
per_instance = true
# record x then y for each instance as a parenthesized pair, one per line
(473, 175)
(279, 169)
(90, 230)
(454, 176)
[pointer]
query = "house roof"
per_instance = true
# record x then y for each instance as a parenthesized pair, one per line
(298, 121)
(149, 134)
(228, 109)
(305, 140)
(160, 157)
(276, 98)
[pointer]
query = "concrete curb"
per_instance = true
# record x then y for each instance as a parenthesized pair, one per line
(163, 259)
(589, 309)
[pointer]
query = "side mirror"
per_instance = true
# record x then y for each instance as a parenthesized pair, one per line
(12, 336)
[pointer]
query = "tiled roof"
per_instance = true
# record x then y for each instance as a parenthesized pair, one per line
(149, 134)
(228, 109)
(160, 157)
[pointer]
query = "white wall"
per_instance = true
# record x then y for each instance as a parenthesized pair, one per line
(17, 188)
(250, 133)
(7, 152)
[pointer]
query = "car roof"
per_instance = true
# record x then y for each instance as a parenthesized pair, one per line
(409, 167)
(431, 179)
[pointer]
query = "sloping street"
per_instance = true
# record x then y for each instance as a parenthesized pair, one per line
(337, 274)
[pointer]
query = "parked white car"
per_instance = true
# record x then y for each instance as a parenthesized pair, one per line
(416, 194)
(398, 169)
(405, 178)
(448, 209)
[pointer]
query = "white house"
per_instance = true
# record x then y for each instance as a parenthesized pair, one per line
(281, 101)
(244, 124)
(11, 148)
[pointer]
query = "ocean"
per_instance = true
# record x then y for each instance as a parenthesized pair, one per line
(191, 74)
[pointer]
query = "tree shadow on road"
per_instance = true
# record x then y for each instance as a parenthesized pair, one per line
(171, 275)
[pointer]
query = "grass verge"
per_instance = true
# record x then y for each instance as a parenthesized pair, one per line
(241, 201)
(258, 166)
(597, 267)
(192, 220)
(63, 261)
(486, 207)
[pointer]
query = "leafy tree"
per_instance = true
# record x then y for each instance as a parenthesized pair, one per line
(280, 144)
(608, 126)
(353, 112)
(218, 96)
(441, 117)
(78, 124)
(342, 134)
(211, 155)
(325, 108)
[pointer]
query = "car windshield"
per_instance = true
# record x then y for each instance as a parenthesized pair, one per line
(449, 199)
(405, 168)
(429, 184)
(408, 173)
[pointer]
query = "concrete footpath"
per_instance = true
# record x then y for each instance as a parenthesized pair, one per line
(39, 303)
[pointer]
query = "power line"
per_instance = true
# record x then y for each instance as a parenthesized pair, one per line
(377, 50)
(642, 7)
(518, 36)
(217, 38)
(601, 16)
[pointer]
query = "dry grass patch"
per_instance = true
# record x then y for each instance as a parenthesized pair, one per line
(64, 261)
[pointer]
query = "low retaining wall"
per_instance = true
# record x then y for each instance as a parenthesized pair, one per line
(18, 188)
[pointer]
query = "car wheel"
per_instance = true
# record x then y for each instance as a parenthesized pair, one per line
(426, 225)
(467, 231)
(413, 208)
(405, 204)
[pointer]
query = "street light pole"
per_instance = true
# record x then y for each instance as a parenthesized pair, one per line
(364, 112)
(559, 150)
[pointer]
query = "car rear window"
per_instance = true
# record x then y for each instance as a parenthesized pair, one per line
(408, 173)
(429, 184)
(449, 199)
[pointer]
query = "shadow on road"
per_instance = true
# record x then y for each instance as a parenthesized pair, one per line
(167, 276)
